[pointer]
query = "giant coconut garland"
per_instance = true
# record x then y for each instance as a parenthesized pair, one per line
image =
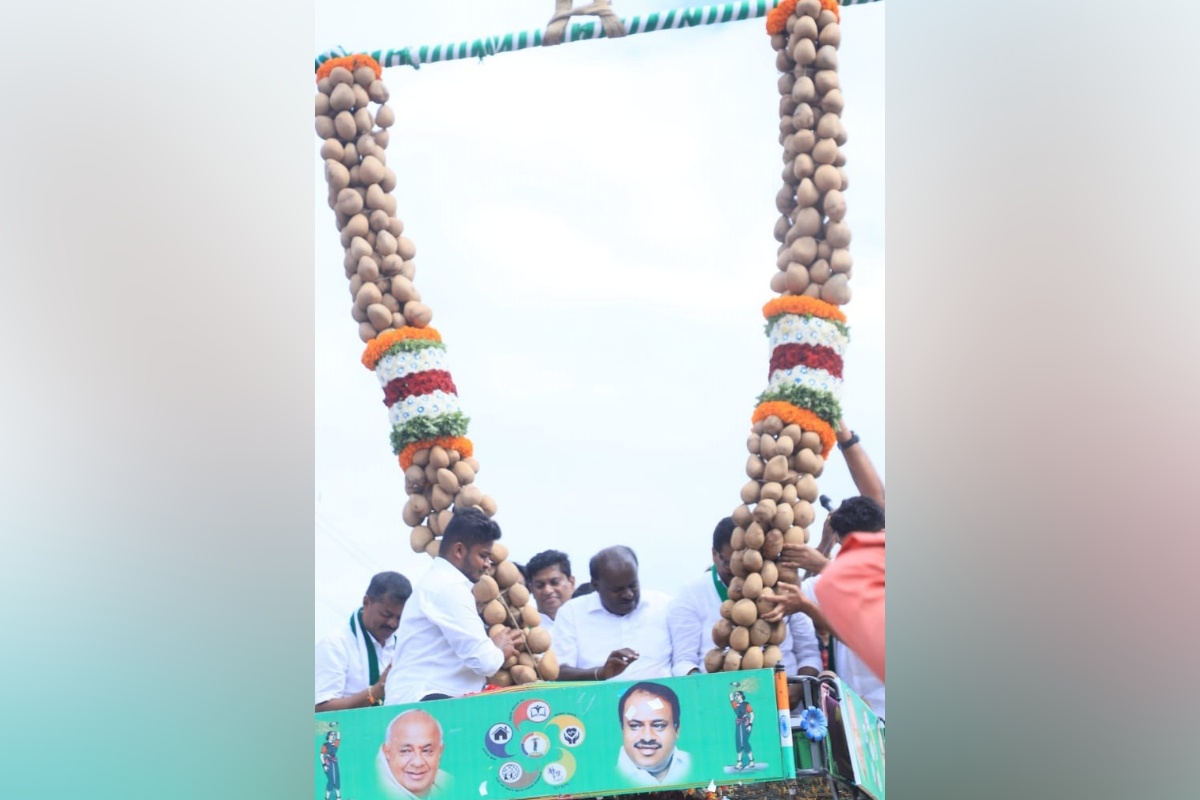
(405, 352)
(795, 421)
(793, 424)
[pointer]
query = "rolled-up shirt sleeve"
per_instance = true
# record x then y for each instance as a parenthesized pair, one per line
(806, 650)
(333, 662)
(463, 629)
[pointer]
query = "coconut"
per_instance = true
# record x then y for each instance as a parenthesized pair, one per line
(494, 612)
(721, 631)
(523, 674)
(548, 666)
(752, 586)
(772, 655)
(744, 612)
(760, 632)
(538, 639)
(485, 590)
(420, 538)
(753, 659)
(518, 595)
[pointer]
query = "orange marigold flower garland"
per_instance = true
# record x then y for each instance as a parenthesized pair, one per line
(377, 347)
(794, 415)
(460, 443)
(777, 17)
(804, 305)
(350, 62)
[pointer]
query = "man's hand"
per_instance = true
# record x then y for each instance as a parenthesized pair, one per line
(788, 600)
(617, 661)
(508, 640)
(377, 687)
(828, 539)
(802, 557)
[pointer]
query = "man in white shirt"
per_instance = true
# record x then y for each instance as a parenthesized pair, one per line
(854, 515)
(649, 714)
(697, 608)
(444, 649)
(409, 761)
(616, 630)
(353, 661)
(550, 583)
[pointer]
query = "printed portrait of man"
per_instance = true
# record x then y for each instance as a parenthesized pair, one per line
(409, 762)
(649, 715)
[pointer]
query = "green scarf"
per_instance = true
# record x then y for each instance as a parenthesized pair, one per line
(722, 592)
(372, 659)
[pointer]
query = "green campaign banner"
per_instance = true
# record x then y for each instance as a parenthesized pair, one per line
(550, 739)
(864, 737)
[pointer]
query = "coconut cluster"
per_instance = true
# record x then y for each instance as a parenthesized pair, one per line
(353, 119)
(814, 256)
(503, 602)
(379, 258)
(438, 481)
(776, 509)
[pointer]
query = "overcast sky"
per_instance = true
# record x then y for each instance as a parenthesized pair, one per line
(593, 225)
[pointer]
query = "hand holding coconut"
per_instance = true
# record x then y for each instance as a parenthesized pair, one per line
(802, 557)
(507, 639)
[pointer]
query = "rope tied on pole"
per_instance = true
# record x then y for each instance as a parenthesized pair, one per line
(556, 29)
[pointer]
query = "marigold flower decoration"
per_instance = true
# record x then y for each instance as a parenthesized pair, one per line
(350, 62)
(777, 17)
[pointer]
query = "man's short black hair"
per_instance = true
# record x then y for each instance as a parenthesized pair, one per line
(583, 589)
(656, 689)
(857, 515)
(390, 586)
(723, 533)
(607, 553)
(471, 527)
(547, 559)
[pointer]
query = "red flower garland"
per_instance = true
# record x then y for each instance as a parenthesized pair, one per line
(417, 383)
(813, 356)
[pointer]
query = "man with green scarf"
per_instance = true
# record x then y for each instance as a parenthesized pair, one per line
(353, 661)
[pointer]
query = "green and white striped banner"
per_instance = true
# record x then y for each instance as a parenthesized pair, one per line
(575, 32)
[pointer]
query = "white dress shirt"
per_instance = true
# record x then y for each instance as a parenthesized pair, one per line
(342, 665)
(548, 624)
(677, 772)
(849, 667)
(444, 647)
(697, 608)
(585, 634)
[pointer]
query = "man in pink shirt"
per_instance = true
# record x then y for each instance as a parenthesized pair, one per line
(851, 597)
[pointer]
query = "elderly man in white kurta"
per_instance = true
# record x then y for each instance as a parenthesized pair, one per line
(618, 630)
(697, 608)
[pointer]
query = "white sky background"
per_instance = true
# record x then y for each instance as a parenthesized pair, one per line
(593, 225)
